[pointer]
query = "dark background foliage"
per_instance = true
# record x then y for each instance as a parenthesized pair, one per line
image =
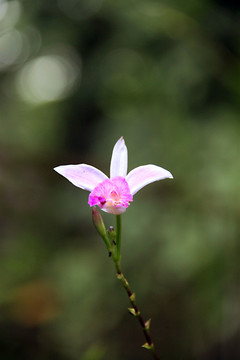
(75, 76)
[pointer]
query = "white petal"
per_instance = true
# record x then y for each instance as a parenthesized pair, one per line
(84, 176)
(144, 175)
(119, 161)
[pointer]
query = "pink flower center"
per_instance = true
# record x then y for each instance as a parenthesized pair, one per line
(111, 195)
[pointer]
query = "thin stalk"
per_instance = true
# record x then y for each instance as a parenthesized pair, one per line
(134, 310)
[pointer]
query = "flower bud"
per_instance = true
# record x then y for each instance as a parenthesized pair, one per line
(148, 346)
(132, 297)
(132, 311)
(147, 324)
(98, 222)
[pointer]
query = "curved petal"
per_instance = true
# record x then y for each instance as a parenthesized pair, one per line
(84, 176)
(119, 159)
(144, 175)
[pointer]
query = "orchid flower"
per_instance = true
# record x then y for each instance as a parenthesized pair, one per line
(114, 194)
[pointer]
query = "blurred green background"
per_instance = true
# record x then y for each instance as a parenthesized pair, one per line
(75, 75)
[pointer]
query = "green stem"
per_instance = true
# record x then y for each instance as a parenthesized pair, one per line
(118, 237)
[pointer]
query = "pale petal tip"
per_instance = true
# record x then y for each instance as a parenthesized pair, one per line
(121, 142)
(56, 169)
(60, 169)
(122, 139)
(168, 175)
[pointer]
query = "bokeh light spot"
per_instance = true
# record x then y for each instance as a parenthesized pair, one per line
(10, 47)
(47, 78)
(10, 13)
